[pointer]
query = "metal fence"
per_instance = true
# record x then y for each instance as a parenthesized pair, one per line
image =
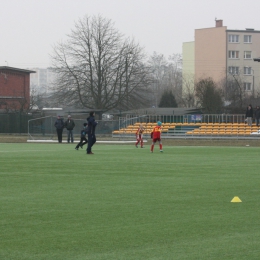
(14, 123)
(44, 126)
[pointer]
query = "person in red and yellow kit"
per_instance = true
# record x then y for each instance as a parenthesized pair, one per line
(139, 136)
(156, 136)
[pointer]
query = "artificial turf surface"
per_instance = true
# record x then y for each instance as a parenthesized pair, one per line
(126, 203)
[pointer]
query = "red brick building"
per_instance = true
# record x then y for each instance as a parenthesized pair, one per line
(14, 88)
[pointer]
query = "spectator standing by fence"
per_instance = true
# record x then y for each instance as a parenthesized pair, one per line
(249, 115)
(59, 124)
(257, 115)
(70, 124)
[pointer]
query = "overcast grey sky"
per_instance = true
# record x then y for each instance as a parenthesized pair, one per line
(29, 28)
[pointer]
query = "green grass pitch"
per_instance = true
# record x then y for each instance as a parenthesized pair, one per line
(57, 203)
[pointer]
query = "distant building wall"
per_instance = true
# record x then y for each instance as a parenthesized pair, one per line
(14, 88)
(247, 45)
(42, 81)
(221, 53)
(210, 53)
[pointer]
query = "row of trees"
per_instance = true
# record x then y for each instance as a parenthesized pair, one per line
(98, 68)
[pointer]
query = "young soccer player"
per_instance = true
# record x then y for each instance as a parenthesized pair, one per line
(156, 136)
(139, 136)
(83, 139)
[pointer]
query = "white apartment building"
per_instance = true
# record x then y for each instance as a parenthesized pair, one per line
(42, 81)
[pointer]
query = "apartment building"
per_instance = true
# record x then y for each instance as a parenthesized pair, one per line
(42, 81)
(219, 52)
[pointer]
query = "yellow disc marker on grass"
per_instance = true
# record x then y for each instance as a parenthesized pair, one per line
(236, 199)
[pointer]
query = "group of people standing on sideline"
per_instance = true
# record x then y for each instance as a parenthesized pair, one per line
(88, 130)
(69, 124)
(250, 114)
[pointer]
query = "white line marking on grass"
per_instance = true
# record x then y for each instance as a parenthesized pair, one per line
(19, 151)
(101, 142)
(206, 146)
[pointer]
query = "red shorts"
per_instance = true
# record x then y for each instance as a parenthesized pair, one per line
(156, 139)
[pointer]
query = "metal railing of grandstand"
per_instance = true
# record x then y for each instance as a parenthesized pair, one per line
(205, 118)
(44, 126)
(186, 123)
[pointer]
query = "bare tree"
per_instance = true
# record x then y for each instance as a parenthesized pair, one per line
(166, 75)
(175, 76)
(234, 91)
(236, 98)
(98, 68)
(188, 91)
(159, 67)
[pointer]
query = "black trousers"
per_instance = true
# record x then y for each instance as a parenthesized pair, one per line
(91, 142)
(59, 133)
(83, 140)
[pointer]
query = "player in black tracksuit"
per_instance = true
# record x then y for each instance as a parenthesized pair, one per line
(83, 139)
(91, 131)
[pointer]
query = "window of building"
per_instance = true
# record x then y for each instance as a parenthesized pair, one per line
(233, 38)
(247, 55)
(247, 86)
(233, 54)
(247, 70)
(247, 38)
(233, 70)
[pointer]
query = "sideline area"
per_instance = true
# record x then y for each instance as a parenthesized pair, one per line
(76, 141)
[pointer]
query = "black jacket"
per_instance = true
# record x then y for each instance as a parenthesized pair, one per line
(91, 125)
(69, 124)
(257, 113)
(249, 112)
(59, 124)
